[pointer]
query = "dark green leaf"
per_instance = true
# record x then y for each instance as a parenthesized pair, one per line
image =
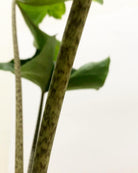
(10, 65)
(91, 75)
(40, 68)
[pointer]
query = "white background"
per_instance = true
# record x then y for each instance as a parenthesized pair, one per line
(98, 130)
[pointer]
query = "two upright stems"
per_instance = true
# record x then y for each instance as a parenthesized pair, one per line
(59, 82)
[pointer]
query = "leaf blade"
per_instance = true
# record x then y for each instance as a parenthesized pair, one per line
(40, 68)
(91, 75)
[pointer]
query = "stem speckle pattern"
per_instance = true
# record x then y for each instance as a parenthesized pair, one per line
(61, 74)
(19, 120)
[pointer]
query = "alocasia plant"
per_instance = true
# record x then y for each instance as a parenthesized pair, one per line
(39, 69)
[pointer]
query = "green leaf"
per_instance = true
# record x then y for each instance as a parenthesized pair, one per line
(58, 43)
(39, 36)
(56, 10)
(37, 13)
(99, 1)
(39, 70)
(47, 2)
(41, 2)
(91, 75)
(10, 65)
(7, 66)
(40, 67)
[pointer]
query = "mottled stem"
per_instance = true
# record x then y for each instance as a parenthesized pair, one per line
(36, 134)
(19, 120)
(70, 42)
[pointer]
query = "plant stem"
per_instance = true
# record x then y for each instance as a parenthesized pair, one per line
(61, 74)
(36, 134)
(19, 119)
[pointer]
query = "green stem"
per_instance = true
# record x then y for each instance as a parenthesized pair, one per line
(19, 119)
(59, 82)
(36, 134)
